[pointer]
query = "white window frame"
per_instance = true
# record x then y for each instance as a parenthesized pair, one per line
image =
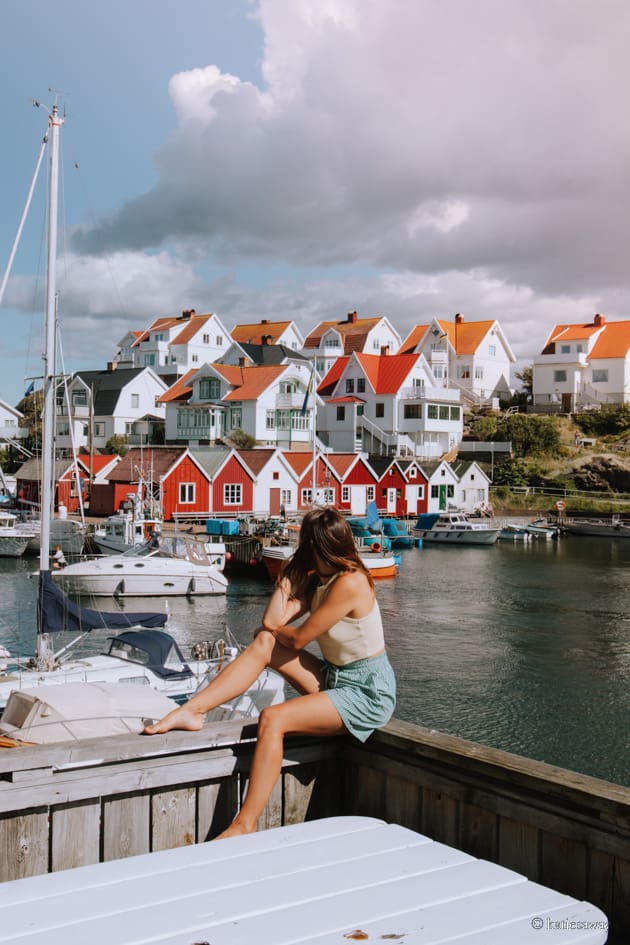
(233, 493)
(345, 493)
(187, 493)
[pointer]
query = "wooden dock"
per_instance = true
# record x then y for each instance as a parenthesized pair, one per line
(74, 804)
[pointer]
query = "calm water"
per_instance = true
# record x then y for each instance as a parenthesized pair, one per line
(526, 648)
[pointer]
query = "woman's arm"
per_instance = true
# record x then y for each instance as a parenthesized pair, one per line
(350, 595)
(282, 608)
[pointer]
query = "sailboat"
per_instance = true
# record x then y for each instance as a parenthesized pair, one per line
(143, 653)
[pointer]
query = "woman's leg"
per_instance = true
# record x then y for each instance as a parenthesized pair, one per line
(313, 714)
(301, 669)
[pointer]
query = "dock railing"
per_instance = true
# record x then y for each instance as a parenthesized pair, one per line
(78, 803)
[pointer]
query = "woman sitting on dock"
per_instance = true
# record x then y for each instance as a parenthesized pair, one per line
(351, 690)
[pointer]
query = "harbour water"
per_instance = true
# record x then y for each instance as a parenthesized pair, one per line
(525, 647)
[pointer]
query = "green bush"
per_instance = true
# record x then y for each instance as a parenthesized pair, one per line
(529, 433)
(609, 420)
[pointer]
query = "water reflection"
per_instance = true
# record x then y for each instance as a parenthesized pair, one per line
(526, 648)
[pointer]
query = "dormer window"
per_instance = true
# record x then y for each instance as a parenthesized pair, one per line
(209, 388)
(565, 349)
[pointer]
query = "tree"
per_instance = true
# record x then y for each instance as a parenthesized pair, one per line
(242, 440)
(526, 377)
(117, 444)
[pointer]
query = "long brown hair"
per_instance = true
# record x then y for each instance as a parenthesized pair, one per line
(326, 532)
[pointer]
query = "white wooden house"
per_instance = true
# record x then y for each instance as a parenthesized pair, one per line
(173, 345)
(331, 340)
(267, 332)
(473, 357)
(96, 405)
(266, 402)
(389, 404)
(473, 486)
(583, 365)
(442, 485)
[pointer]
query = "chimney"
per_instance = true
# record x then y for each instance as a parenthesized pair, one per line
(264, 321)
(459, 319)
(352, 317)
(266, 339)
(111, 366)
(187, 313)
(599, 320)
(384, 350)
(244, 362)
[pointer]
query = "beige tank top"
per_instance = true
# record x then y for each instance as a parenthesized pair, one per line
(353, 638)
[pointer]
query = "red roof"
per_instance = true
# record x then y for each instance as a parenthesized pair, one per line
(327, 385)
(254, 334)
(180, 390)
(249, 382)
(189, 327)
(413, 339)
(387, 372)
(614, 341)
(298, 460)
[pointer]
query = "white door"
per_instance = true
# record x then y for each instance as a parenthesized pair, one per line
(358, 500)
(412, 495)
(391, 500)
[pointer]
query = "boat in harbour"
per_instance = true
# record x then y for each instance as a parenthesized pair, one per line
(452, 527)
(381, 563)
(613, 527)
(513, 531)
(13, 543)
(178, 567)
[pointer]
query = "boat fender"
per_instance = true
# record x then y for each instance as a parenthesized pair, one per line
(191, 586)
(375, 546)
(119, 589)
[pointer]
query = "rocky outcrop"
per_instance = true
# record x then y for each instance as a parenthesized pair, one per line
(602, 473)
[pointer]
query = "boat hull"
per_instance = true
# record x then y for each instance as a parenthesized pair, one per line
(133, 577)
(457, 536)
(598, 529)
(12, 546)
(379, 565)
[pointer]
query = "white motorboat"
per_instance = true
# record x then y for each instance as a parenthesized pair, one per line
(144, 657)
(513, 531)
(13, 543)
(542, 529)
(179, 567)
(452, 527)
(379, 562)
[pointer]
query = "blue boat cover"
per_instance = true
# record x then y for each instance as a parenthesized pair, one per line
(374, 523)
(56, 612)
(158, 646)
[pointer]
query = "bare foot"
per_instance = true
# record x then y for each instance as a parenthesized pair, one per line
(183, 718)
(235, 830)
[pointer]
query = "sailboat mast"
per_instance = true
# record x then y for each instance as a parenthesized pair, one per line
(49, 358)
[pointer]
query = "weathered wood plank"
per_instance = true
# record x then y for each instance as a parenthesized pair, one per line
(126, 826)
(563, 864)
(298, 787)
(403, 802)
(23, 845)
(477, 831)
(173, 818)
(519, 847)
(439, 817)
(217, 806)
(75, 832)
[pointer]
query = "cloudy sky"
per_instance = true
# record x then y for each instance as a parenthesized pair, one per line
(299, 159)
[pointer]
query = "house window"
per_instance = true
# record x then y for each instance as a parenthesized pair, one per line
(412, 411)
(195, 359)
(186, 493)
(232, 493)
(435, 492)
(559, 376)
(600, 375)
(288, 387)
(579, 348)
(455, 413)
(206, 339)
(492, 350)
(341, 413)
(360, 410)
(209, 388)
(135, 400)
(376, 345)
(565, 349)
(349, 385)
(360, 385)
(99, 429)
(478, 372)
(285, 496)
(236, 418)
(307, 496)
(283, 419)
(432, 412)
(438, 371)
(158, 336)
(370, 493)
(418, 382)
(270, 421)
(413, 472)
(79, 398)
(444, 412)
(276, 475)
(379, 409)
(149, 360)
(450, 492)
(463, 371)
(345, 493)
(219, 340)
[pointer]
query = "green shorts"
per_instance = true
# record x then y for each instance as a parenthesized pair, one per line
(363, 693)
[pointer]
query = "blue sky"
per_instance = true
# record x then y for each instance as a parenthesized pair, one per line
(305, 158)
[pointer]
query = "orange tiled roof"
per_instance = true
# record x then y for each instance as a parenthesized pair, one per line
(328, 382)
(353, 334)
(254, 334)
(570, 333)
(465, 337)
(614, 341)
(387, 373)
(248, 382)
(181, 389)
(189, 326)
(299, 461)
(256, 460)
(415, 335)
(341, 462)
